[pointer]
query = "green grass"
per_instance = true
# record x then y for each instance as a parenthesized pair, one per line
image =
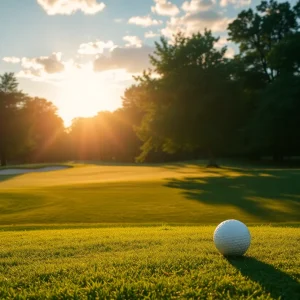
(147, 263)
(99, 242)
(175, 194)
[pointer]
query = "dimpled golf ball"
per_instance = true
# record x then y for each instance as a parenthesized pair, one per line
(232, 238)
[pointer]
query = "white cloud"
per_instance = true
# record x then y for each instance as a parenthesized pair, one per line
(42, 67)
(93, 48)
(133, 60)
(68, 7)
(197, 5)
(144, 21)
(115, 67)
(150, 34)
(165, 8)
(196, 22)
(12, 59)
(118, 20)
(132, 41)
(236, 3)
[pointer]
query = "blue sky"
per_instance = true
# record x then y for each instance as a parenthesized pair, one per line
(81, 54)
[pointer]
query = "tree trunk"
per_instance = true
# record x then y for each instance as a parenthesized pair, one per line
(212, 163)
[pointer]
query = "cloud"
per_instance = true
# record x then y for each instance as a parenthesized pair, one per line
(93, 48)
(132, 41)
(145, 21)
(196, 22)
(42, 67)
(118, 20)
(230, 52)
(150, 34)
(133, 60)
(222, 42)
(12, 59)
(165, 8)
(68, 7)
(197, 5)
(236, 3)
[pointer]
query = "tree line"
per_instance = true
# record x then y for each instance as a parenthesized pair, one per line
(194, 102)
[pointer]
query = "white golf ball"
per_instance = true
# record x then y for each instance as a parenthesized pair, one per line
(232, 237)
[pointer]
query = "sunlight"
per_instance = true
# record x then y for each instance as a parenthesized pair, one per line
(84, 93)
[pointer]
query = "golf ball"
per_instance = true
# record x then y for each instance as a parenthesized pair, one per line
(232, 237)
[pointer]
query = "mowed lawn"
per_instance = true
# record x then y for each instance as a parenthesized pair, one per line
(160, 262)
(173, 194)
(147, 262)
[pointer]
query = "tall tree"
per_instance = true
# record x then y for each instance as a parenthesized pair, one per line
(45, 130)
(269, 62)
(11, 101)
(192, 102)
(259, 33)
(274, 124)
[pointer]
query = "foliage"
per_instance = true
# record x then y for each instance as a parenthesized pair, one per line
(274, 123)
(45, 130)
(259, 33)
(193, 102)
(11, 101)
(109, 136)
(269, 72)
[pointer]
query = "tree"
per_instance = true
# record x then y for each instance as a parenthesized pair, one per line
(259, 33)
(11, 102)
(286, 55)
(275, 122)
(192, 102)
(269, 62)
(45, 130)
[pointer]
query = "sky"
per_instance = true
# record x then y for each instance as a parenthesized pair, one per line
(82, 54)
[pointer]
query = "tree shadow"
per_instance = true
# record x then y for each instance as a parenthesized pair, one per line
(273, 281)
(273, 196)
(7, 177)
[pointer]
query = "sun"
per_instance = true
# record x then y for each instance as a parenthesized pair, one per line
(83, 93)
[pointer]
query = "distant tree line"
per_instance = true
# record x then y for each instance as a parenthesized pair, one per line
(195, 102)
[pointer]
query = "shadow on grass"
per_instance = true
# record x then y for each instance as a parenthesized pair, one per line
(7, 177)
(31, 167)
(272, 196)
(273, 281)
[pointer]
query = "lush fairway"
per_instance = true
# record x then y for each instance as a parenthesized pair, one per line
(179, 193)
(151, 263)
(150, 194)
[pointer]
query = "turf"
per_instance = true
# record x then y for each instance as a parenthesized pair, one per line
(147, 263)
(78, 258)
(175, 194)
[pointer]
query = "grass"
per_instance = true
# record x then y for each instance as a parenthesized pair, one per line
(147, 263)
(87, 233)
(175, 194)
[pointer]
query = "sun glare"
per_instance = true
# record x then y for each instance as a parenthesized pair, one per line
(84, 93)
